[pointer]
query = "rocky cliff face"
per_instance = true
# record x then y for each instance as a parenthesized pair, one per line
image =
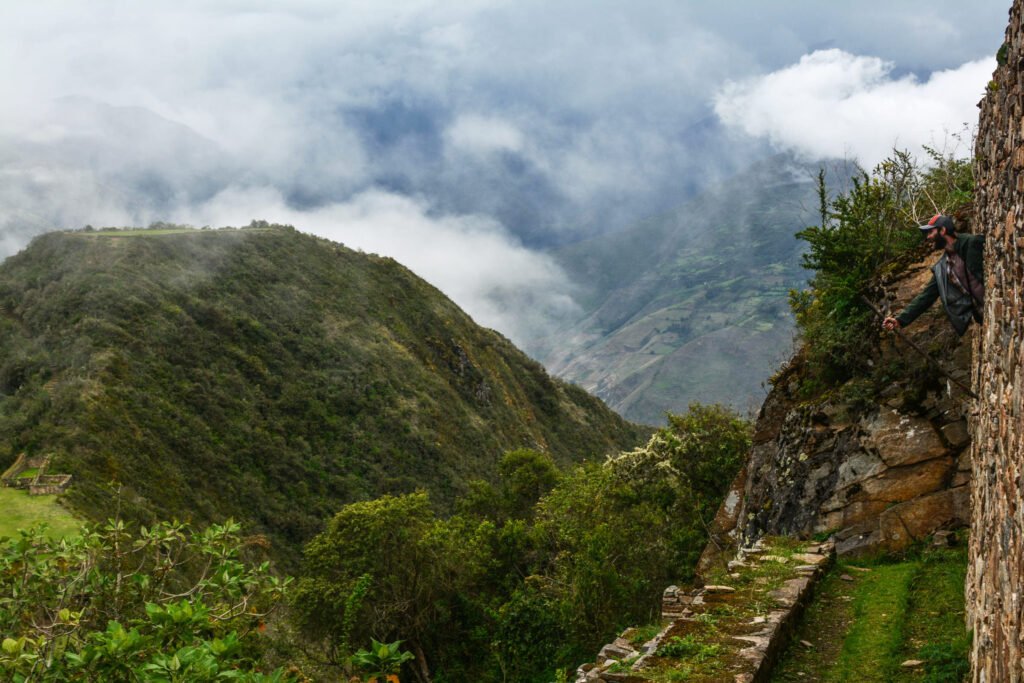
(879, 464)
(996, 574)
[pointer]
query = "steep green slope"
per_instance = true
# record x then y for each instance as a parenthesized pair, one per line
(691, 305)
(264, 374)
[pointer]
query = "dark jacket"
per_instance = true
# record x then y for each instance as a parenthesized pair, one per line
(959, 306)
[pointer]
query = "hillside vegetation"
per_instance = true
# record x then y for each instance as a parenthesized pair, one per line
(531, 574)
(520, 584)
(262, 374)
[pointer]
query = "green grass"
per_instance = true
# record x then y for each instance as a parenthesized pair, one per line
(141, 232)
(642, 634)
(862, 630)
(872, 647)
(935, 628)
(29, 473)
(22, 511)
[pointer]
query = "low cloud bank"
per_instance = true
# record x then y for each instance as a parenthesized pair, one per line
(835, 104)
(470, 258)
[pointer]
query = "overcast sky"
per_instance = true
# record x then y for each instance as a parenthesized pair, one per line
(462, 138)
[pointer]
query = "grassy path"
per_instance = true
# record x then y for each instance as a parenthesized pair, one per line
(861, 628)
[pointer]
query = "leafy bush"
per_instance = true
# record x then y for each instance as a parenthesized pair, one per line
(688, 467)
(689, 647)
(865, 232)
(160, 604)
(382, 659)
(386, 570)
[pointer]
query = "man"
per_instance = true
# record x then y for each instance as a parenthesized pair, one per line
(957, 278)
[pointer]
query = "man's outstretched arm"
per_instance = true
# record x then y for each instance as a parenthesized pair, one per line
(915, 308)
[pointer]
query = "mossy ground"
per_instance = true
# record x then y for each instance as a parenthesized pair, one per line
(861, 629)
(21, 511)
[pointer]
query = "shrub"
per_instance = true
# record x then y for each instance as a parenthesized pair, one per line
(164, 603)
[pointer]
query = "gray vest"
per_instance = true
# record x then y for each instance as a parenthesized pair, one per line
(958, 304)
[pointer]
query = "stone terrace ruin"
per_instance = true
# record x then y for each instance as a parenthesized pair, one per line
(30, 473)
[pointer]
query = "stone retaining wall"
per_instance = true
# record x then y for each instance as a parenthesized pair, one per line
(10, 475)
(995, 585)
(49, 484)
(39, 485)
(749, 647)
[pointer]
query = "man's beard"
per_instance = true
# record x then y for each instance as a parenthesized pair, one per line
(938, 244)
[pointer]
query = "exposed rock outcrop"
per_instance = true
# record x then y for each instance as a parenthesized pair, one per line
(995, 583)
(879, 467)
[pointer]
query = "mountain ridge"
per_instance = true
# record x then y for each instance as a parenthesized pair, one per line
(216, 373)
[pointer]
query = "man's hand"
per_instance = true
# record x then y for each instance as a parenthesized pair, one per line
(891, 323)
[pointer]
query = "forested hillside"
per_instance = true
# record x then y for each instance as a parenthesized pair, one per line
(262, 374)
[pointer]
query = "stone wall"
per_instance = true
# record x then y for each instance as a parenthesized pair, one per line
(748, 621)
(995, 586)
(39, 485)
(49, 484)
(23, 462)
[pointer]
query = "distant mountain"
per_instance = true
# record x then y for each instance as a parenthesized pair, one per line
(690, 305)
(263, 374)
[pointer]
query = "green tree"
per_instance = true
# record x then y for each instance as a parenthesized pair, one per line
(612, 536)
(505, 592)
(524, 476)
(417, 567)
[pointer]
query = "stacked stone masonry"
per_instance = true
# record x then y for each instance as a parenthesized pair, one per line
(995, 584)
(753, 646)
(40, 483)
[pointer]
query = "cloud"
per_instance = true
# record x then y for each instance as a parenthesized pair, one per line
(324, 100)
(482, 135)
(537, 123)
(473, 260)
(835, 104)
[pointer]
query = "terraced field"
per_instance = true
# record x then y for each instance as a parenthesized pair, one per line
(21, 511)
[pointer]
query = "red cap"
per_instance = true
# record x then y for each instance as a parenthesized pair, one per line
(937, 221)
